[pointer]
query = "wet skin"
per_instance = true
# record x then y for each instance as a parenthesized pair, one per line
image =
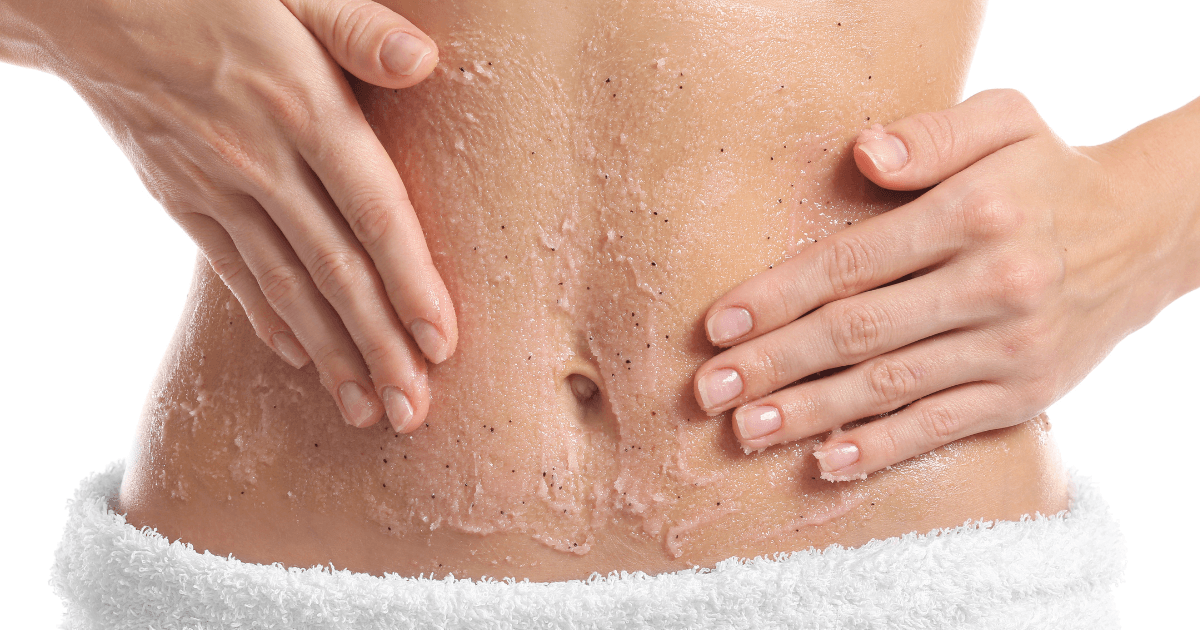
(589, 178)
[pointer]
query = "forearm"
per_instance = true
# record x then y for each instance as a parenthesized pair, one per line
(1155, 171)
(20, 37)
(45, 34)
(39, 33)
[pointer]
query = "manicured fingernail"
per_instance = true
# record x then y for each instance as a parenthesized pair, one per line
(290, 349)
(354, 400)
(729, 323)
(432, 343)
(836, 458)
(756, 422)
(719, 387)
(399, 410)
(402, 53)
(886, 151)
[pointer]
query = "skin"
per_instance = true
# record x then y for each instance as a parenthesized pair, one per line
(576, 232)
(344, 267)
(250, 151)
(345, 305)
(208, 433)
(1013, 276)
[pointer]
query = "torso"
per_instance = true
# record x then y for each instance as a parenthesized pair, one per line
(590, 178)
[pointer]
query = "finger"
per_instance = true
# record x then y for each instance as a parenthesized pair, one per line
(843, 333)
(222, 255)
(919, 428)
(868, 255)
(361, 179)
(874, 387)
(925, 149)
(371, 41)
(343, 276)
(290, 291)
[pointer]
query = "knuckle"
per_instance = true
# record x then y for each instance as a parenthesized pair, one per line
(1017, 107)
(850, 266)
(887, 439)
(170, 198)
(370, 216)
(281, 286)
(939, 424)
(988, 215)
(936, 135)
(1038, 385)
(264, 321)
(354, 24)
(1030, 354)
(1021, 283)
(332, 363)
(336, 272)
(181, 207)
(780, 296)
(856, 330)
(800, 409)
(375, 354)
(179, 183)
(291, 107)
(328, 358)
(892, 381)
(234, 153)
(773, 366)
(226, 264)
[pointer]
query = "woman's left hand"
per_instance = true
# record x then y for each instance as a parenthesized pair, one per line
(972, 308)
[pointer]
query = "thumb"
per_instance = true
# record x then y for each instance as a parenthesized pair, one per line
(926, 149)
(373, 42)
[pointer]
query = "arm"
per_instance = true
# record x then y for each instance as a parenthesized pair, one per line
(239, 120)
(975, 306)
(1159, 163)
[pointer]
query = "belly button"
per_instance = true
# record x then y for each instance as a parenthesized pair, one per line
(586, 400)
(584, 388)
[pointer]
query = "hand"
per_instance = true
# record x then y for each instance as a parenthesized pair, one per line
(972, 308)
(238, 118)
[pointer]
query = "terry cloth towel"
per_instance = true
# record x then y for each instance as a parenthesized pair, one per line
(1056, 572)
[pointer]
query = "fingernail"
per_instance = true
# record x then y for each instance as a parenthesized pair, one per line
(399, 410)
(354, 400)
(836, 458)
(432, 343)
(886, 151)
(756, 422)
(719, 387)
(729, 323)
(290, 349)
(402, 53)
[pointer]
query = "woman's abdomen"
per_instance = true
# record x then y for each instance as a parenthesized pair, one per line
(585, 196)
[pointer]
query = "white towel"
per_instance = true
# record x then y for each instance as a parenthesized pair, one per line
(1056, 572)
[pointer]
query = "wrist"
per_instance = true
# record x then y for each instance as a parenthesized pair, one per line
(1152, 174)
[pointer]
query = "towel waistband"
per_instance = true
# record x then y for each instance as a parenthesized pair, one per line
(1057, 572)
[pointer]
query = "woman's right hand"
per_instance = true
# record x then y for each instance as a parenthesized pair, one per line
(238, 119)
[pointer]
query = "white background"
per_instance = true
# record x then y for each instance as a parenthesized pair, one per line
(93, 276)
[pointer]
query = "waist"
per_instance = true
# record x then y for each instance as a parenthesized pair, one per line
(1064, 567)
(584, 212)
(515, 476)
